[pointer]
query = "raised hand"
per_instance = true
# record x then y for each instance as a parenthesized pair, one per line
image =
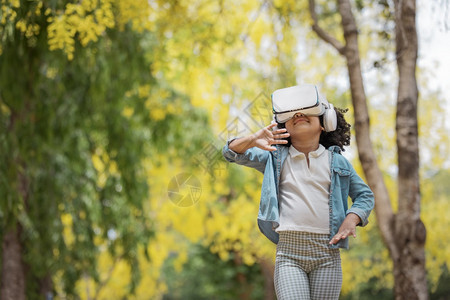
(263, 139)
(266, 137)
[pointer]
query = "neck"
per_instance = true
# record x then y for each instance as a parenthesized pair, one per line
(306, 146)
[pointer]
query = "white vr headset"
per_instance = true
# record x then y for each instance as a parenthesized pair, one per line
(304, 99)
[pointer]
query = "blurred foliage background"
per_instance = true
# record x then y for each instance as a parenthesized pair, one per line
(104, 103)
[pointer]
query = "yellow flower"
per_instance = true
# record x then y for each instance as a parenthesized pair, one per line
(157, 114)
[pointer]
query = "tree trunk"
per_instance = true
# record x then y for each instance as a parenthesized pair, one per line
(410, 233)
(367, 157)
(268, 269)
(13, 271)
(404, 234)
(244, 290)
(13, 276)
(46, 287)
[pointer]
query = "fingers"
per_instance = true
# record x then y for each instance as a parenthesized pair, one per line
(279, 142)
(269, 148)
(266, 138)
(337, 238)
(281, 136)
(279, 139)
(273, 142)
(341, 236)
(281, 130)
(272, 125)
(279, 133)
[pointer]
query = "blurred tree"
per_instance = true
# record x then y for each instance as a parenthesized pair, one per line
(75, 128)
(403, 232)
(206, 276)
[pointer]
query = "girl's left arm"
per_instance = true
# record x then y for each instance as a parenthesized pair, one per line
(358, 214)
(362, 197)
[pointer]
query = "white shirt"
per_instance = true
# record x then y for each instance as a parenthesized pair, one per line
(304, 192)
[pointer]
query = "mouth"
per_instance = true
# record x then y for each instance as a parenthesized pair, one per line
(300, 120)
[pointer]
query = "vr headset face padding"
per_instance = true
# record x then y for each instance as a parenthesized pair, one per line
(288, 101)
(330, 118)
(305, 99)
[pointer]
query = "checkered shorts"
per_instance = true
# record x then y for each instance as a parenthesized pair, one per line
(306, 268)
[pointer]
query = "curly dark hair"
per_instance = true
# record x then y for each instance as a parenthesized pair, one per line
(340, 137)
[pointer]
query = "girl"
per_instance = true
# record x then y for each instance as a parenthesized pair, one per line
(304, 194)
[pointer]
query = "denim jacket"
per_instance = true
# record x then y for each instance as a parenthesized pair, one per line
(345, 182)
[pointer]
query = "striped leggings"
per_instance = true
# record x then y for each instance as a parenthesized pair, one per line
(305, 268)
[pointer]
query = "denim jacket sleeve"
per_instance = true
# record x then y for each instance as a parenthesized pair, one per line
(362, 198)
(347, 183)
(254, 157)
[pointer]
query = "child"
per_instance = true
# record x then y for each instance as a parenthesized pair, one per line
(304, 193)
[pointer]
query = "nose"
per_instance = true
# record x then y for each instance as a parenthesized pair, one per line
(298, 115)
